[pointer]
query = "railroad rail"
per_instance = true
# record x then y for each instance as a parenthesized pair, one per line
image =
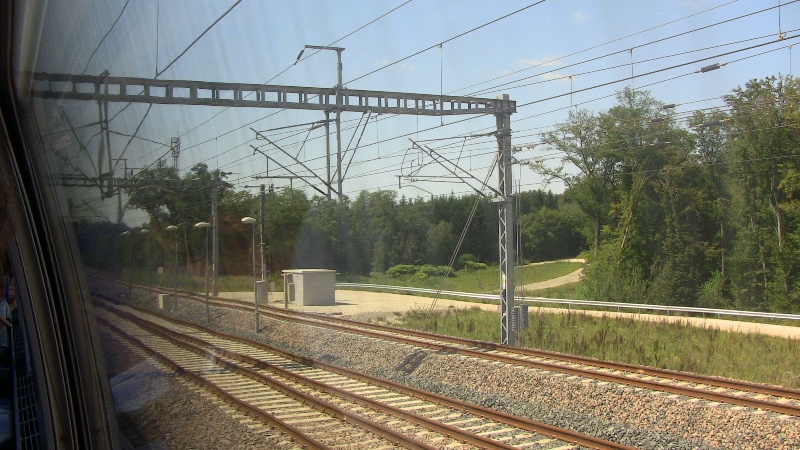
(769, 398)
(455, 421)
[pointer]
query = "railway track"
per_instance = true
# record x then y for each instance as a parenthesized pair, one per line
(735, 392)
(387, 411)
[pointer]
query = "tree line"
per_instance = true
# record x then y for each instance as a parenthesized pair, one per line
(370, 233)
(697, 212)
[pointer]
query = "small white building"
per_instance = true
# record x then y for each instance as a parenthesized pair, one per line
(310, 287)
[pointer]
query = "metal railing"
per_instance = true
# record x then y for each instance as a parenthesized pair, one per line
(595, 304)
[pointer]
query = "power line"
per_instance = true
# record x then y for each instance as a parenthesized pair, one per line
(493, 89)
(611, 42)
(198, 38)
(625, 79)
(449, 40)
(434, 46)
(276, 76)
(105, 36)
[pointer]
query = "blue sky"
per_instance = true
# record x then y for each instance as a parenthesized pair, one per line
(258, 40)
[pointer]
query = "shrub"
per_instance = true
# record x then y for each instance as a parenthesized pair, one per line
(427, 270)
(471, 266)
(401, 269)
(464, 260)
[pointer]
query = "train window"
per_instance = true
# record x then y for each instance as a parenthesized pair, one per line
(273, 224)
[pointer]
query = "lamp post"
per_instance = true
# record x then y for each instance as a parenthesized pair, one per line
(252, 222)
(130, 262)
(177, 235)
(205, 268)
(146, 233)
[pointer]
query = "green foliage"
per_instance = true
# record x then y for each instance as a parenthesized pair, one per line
(426, 271)
(675, 346)
(401, 269)
(479, 281)
(470, 266)
(552, 234)
(704, 215)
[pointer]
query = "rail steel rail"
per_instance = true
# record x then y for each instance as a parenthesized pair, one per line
(265, 416)
(515, 355)
(197, 345)
(592, 303)
(479, 350)
(323, 406)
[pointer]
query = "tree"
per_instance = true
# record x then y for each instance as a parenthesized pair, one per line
(551, 234)
(584, 151)
(763, 141)
(441, 243)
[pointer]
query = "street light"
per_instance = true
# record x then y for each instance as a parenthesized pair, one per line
(146, 232)
(205, 268)
(130, 264)
(177, 235)
(252, 222)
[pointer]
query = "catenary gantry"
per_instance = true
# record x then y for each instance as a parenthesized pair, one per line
(105, 89)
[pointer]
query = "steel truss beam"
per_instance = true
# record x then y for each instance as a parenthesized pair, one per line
(183, 92)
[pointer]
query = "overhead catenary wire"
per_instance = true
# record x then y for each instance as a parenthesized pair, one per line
(437, 44)
(303, 59)
(610, 83)
(606, 96)
(385, 66)
(631, 35)
(383, 141)
(88, 61)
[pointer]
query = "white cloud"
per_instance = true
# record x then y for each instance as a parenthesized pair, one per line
(579, 16)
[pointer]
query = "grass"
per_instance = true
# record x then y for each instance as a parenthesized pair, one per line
(570, 290)
(479, 281)
(227, 283)
(753, 357)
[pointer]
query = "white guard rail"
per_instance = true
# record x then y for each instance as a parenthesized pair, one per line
(569, 303)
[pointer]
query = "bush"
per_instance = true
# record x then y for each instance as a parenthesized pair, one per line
(464, 260)
(427, 270)
(401, 269)
(471, 266)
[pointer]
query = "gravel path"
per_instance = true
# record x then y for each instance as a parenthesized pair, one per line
(632, 416)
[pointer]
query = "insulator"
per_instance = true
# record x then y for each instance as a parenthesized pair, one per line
(711, 67)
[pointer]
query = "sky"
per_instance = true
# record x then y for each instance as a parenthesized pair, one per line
(549, 56)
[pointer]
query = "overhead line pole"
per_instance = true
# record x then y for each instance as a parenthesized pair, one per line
(214, 236)
(263, 224)
(506, 228)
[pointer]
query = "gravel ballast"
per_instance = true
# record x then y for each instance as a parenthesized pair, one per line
(632, 416)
